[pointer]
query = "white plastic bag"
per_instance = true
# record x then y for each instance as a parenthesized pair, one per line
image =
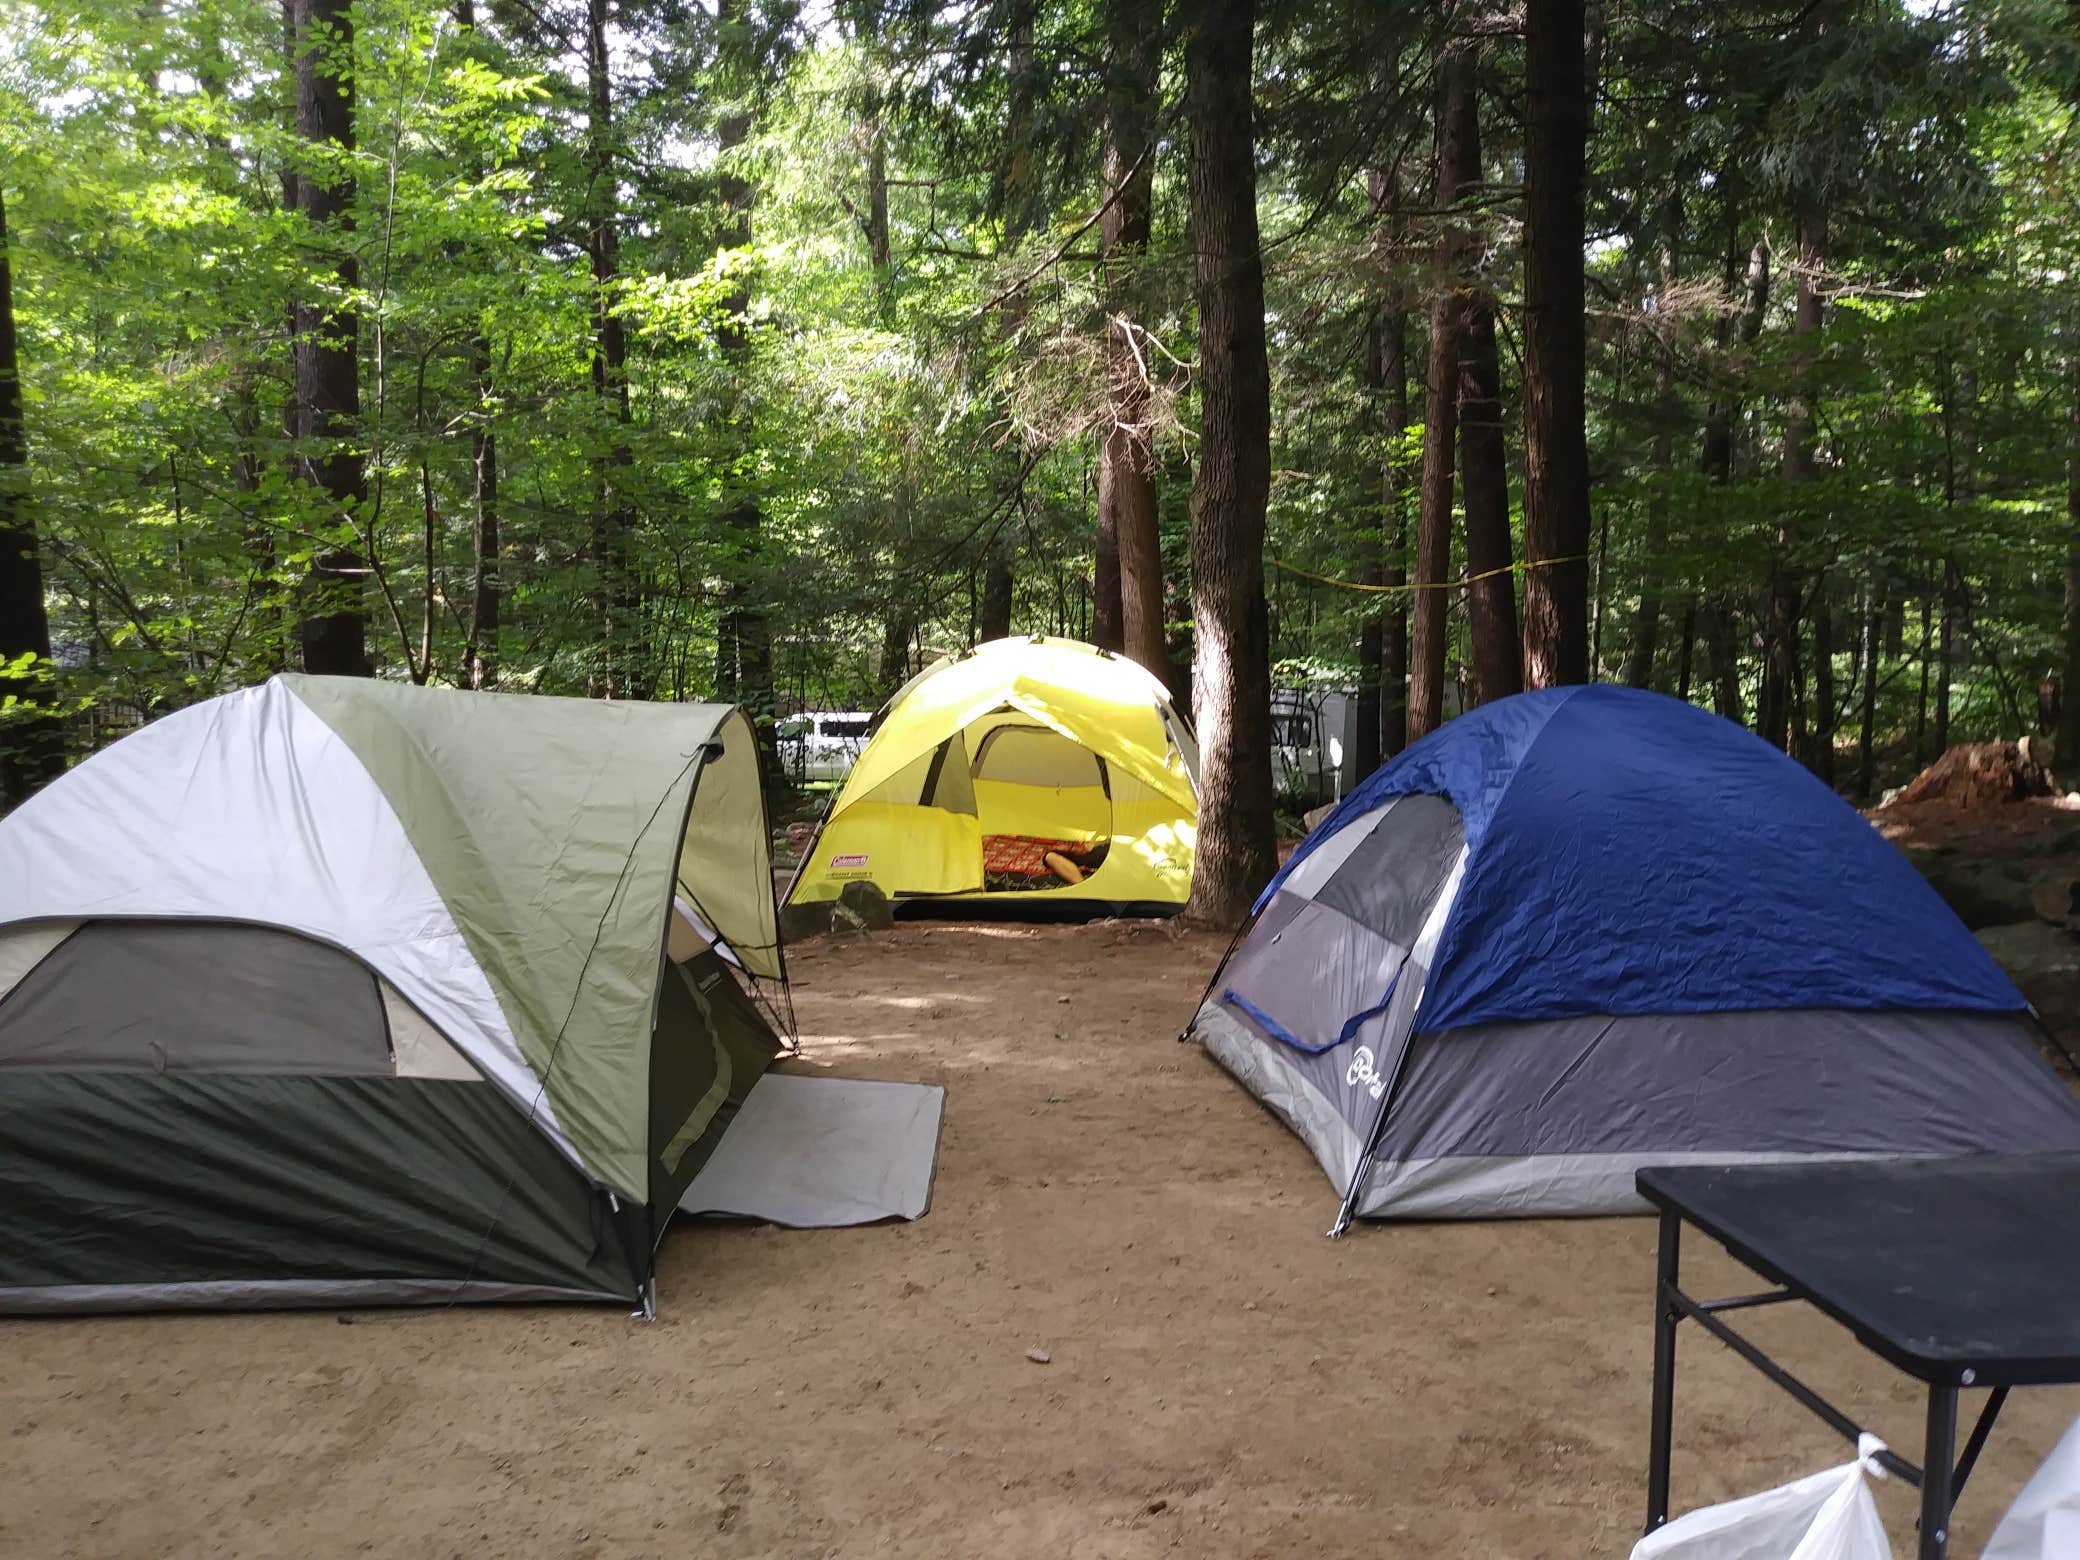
(2044, 1522)
(1824, 1516)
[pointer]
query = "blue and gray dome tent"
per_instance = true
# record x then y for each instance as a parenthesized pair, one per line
(1588, 929)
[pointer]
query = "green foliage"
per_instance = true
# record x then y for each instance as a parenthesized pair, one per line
(897, 418)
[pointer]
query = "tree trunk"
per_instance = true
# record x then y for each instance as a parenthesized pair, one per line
(1716, 462)
(1921, 753)
(1556, 451)
(481, 662)
(1491, 594)
(616, 604)
(1723, 649)
(1866, 736)
(1238, 846)
(1426, 674)
(1126, 463)
(1686, 650)
(1106, 630)
(895, 651)
(32, 748)
(1821, 759)
(1780, 664)
(484, 542)
(1383, 641)
(999, 584)
(277, 658)
(2069, 694)
(261, 618)
(1646, 630)
(1393, 669)
(328, 369)
(994, 614)
(880, 250)
(744, 632)
(1946, 653)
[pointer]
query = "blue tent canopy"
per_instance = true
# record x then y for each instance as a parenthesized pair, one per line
(1628, 853)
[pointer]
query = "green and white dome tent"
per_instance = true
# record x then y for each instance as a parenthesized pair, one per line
(343, 991)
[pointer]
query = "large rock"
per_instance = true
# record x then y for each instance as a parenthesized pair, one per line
(2045, 962)
(1984, 891)
(2056, 897)
(862, 907)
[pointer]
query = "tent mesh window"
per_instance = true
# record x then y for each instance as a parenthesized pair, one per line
(195, 996)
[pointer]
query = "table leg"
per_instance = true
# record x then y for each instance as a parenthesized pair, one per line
(1937, 1459)
(1665, 1319)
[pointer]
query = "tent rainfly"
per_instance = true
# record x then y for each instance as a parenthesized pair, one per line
(1026, 772)
(336, 991)
(1585, 930)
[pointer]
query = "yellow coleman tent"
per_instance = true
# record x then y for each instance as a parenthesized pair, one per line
(1026, 771)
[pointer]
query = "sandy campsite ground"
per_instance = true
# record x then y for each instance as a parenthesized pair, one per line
(1223, 1380)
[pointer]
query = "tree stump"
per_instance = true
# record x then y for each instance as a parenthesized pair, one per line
(1981, 774)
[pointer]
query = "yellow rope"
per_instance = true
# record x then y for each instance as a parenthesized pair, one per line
(1486, 574)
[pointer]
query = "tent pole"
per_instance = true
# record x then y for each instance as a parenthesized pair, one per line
(1214, 979)
(1349, 1208)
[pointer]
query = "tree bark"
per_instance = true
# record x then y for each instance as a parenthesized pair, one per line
(1722, 648)
(1126, 463)
(481, 662)
(880, 250)
(1646, 630)
(894, 670)
(1426, 674)
(1946, 653)
(999, 583)
(1866, 736)
(32, 747)
(1237, 846)
(1106, 630)
(1556, 451)
(744, 631)
(1821, 759)
(1686, 649)
(616, 601)
(1393, 678)
(1383, 641)
(2069, 694)
(328, 367)
(484, 539)
(993, 617)
(1921, 753)
(1775, 716)
(1716, 461)
(1491, 592)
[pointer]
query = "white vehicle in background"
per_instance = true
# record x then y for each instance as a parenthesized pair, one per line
(1312, 743)
(820, 746)
(1314, 740)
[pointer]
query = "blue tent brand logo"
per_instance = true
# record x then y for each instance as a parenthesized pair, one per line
(1362, 1071)
(849, 861)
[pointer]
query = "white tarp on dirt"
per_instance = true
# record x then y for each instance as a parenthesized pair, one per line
(818, 1153)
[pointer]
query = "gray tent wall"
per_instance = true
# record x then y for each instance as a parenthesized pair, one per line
(1553, 1117)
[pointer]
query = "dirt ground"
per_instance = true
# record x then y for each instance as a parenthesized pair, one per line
(1223, 1380)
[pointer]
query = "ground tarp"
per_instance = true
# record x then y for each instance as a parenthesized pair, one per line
(818, 1153)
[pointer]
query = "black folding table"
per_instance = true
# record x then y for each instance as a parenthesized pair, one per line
(1961, 1272)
